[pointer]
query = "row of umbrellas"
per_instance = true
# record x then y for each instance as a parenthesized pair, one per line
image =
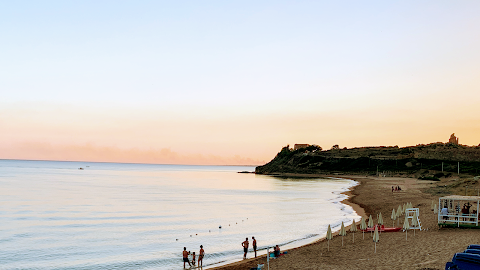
(375, 234)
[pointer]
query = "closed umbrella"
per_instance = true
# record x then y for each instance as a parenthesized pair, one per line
(431, 206)
(353, 229)
(363, 226)
(342, 232)
(329, 237)
(399, 212)
(435, 209)
(414, 222)
(393, 217)
(404, 208)
(370, 223)
(380, 219)
(376, 238)
(406, 226)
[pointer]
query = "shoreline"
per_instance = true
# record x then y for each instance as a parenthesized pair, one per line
(428, 249)
(347, 201)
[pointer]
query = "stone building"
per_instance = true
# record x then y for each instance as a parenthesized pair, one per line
(453, 139)
(300, 145)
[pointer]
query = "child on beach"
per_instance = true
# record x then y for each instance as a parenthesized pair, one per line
(193, 258)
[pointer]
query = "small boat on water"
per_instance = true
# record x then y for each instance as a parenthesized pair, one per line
(382, 228)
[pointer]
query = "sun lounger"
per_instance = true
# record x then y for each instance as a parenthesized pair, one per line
(464, 261)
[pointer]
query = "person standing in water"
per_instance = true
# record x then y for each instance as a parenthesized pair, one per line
(254, 243)
(200, 256)
(185, 257)
(245, 248)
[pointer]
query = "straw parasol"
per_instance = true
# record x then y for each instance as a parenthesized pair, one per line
(370, 223)
(406, 226)
(393, 217)
(399, 212)
(363, 226)
(329, 237)
(414, 222)
(353, 229)
(380, 219)
(342, 232)
(376, 238)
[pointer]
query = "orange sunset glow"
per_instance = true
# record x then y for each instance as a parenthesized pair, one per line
(221, 84)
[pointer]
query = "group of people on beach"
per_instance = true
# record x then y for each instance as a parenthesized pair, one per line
(397, 188)
(186, 253)
(245, 246)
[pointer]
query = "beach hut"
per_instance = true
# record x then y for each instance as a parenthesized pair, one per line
(458, 211)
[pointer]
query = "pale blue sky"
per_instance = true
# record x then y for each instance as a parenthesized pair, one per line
(248, 61)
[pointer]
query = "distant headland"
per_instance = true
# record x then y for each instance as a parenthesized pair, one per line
(429, 161)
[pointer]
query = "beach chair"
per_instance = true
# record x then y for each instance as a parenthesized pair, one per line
(473, 247)
(259, 267)
(473, 251)
(464, 261)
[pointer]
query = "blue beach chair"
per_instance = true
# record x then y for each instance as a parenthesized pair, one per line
(464, 261)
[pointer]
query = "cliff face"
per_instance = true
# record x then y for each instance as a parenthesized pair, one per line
(367, 160)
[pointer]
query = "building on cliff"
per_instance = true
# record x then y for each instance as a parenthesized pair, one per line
(300, 145)
(453, 139)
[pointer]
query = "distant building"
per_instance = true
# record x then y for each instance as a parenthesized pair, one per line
(453, 139)
(300, 145)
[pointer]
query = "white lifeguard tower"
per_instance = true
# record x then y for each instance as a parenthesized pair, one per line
(458, 211)
(411, 214)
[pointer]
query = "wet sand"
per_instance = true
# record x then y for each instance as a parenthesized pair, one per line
(428, 249)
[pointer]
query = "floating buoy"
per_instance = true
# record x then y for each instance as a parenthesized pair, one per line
(196, 234)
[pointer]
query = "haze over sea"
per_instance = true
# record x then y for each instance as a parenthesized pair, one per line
(129, 216)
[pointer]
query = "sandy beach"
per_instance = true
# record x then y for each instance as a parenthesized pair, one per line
(428, 249)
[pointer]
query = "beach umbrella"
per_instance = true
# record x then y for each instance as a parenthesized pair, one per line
(380, 219)
(376, 238)
(414, 222)
(399, 213)
(370, 223)
(435, 210)
(353, 229)
(431, 205)
(406, 227)
(363, 226)
(329, 236)
(393, 217)
(342, 232)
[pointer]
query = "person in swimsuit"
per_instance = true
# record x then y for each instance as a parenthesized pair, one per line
(245, 248)
(200, 256)
(193, 258)
(254, 243)
(185, 257)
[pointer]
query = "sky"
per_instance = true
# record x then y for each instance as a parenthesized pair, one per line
(231, 82)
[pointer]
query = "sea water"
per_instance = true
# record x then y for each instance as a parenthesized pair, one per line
(54, 215)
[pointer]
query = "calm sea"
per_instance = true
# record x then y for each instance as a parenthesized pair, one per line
(140, 216)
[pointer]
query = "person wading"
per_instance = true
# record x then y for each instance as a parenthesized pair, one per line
(254, 243)
(200, 256)
(245, 248)
(185, 257)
